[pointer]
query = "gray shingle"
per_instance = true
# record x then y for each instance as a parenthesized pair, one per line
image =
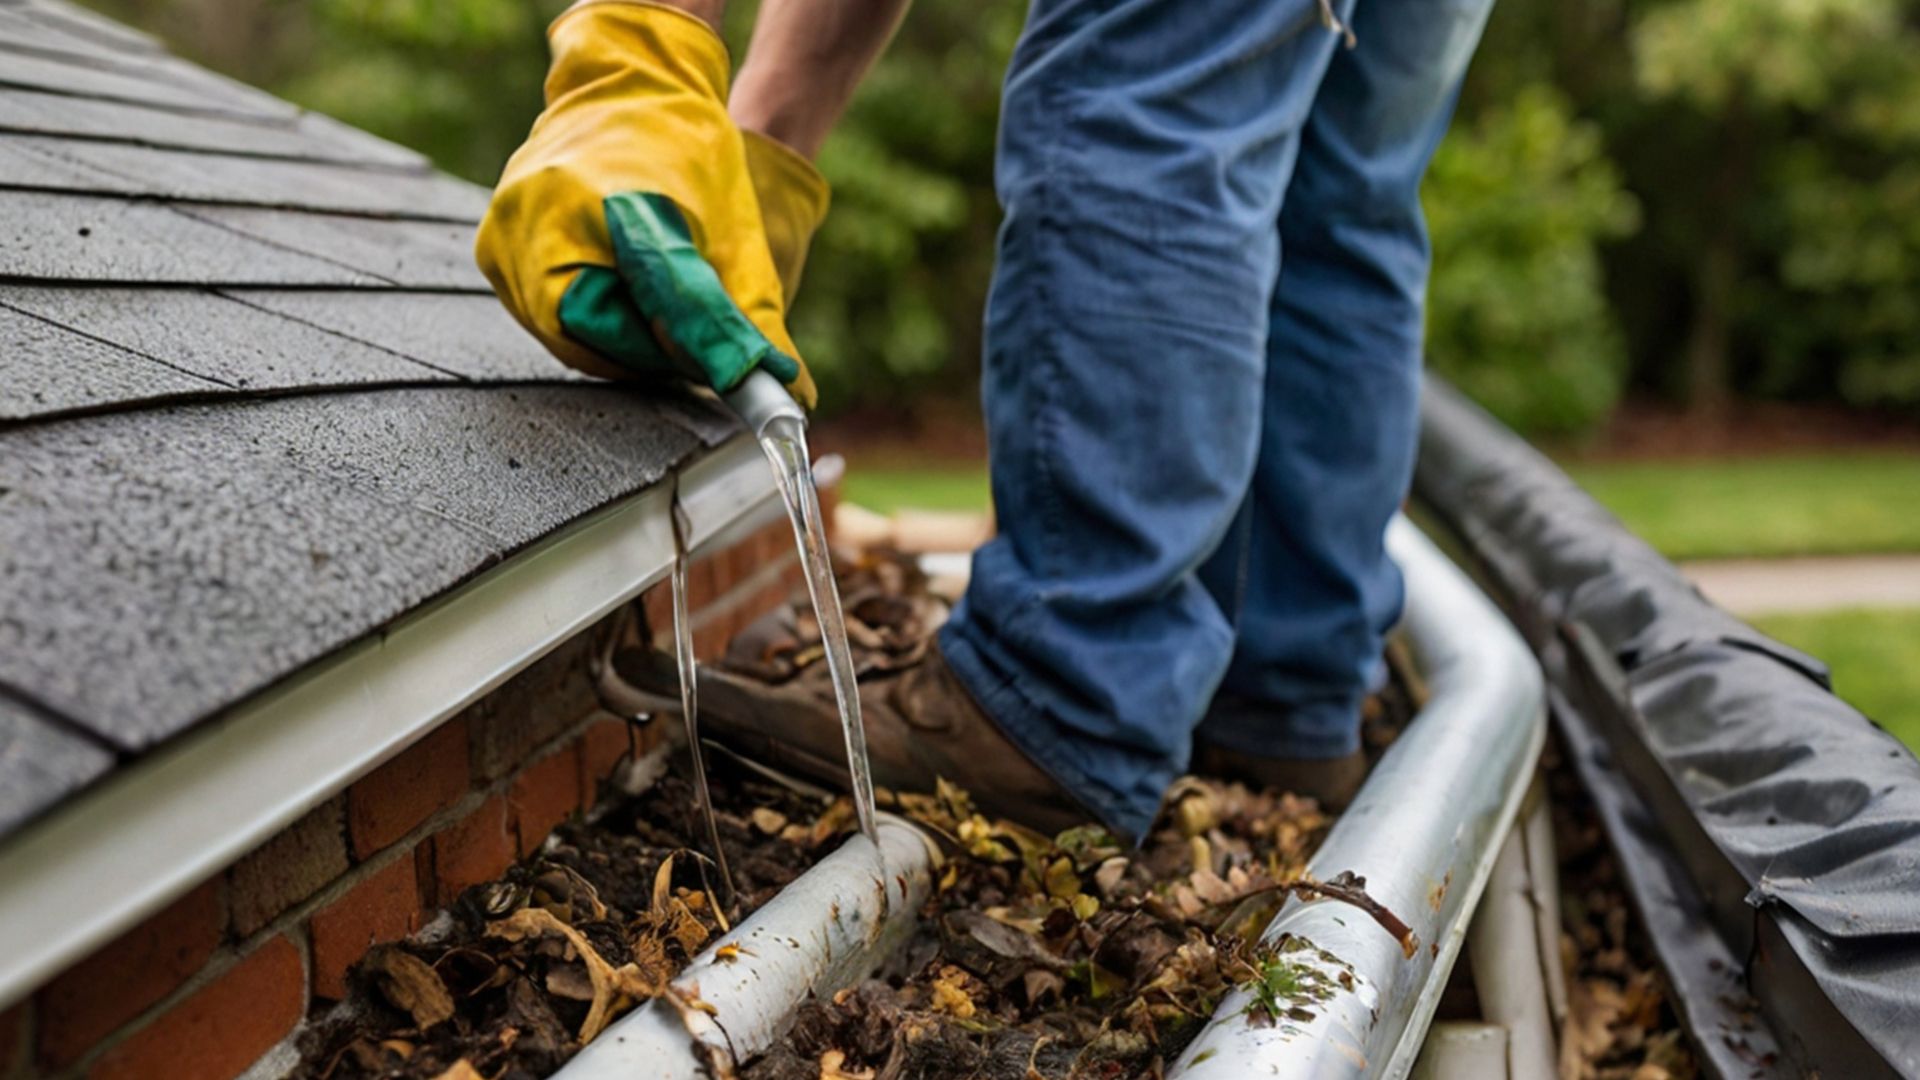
(60, 237)
(159, 565)
(40, 763)
(310, 138)
(155, 566)
(416, 254)
(87, 27)
(50, 370)
(225, 178)
(218, 339)
(372, 147)
(463, 332)
(82, 80)
(160, 559)
(514, 462)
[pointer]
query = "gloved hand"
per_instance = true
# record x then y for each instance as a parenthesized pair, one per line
(793, 202)
(627, 228)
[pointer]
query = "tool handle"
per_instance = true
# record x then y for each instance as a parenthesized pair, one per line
(759, 399)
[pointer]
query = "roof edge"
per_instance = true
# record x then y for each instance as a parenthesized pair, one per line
(94, 867)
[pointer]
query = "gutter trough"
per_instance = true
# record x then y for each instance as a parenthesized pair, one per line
(1424, 832)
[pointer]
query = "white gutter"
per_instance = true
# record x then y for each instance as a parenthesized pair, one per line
(826, 931)
(1424, 833)
(99, 864)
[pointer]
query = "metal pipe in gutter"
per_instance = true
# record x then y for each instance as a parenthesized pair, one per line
(824, 932)
(76, 879)
(1424, 832)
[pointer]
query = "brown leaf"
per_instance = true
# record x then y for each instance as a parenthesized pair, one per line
(537, 922)
(460, 1070)
(570, 981)
(769, 820)
(833, 1067)
(409, 984)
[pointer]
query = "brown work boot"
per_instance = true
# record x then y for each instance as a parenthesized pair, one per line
(1332, 783)
(921, 724)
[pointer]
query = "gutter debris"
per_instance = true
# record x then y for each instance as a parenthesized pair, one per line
(1017, 957)
(518, 974)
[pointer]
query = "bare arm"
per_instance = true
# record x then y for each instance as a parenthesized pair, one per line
(802, 65)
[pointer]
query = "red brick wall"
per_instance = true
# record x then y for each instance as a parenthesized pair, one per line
(204, 988)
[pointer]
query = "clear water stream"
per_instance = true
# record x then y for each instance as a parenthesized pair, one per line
(785, 441)
(690, 700)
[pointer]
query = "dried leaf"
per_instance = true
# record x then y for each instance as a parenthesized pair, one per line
(570, 981)
(768, 821)
(833, 1067)
(950, 993)
(1061, 880)
(410, 985)
(536, 922)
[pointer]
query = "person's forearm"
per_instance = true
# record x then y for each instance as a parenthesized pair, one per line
(802, 65)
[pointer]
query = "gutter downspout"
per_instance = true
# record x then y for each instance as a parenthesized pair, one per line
(1424, 832)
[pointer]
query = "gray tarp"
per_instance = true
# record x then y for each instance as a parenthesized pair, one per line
(1796, 818)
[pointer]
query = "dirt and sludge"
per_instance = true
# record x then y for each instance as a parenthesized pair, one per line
(512, 979)
(1070, 955)
(1620, 1022)
(1036, 958)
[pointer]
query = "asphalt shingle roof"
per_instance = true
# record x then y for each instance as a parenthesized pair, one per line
(255, 400)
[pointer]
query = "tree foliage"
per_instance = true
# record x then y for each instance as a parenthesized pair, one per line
(1517, 199)
(1700, 198)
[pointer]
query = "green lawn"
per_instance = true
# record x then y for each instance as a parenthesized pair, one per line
(1688, 509)
(941, 487)
(1813, 505)
(1875, 657)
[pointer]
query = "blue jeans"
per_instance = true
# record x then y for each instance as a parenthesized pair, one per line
(1196, 450)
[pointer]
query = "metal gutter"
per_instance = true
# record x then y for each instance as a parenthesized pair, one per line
(827, 930)
(98, 865)
(1424, 833)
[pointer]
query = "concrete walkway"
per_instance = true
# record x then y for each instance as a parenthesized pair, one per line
(1749, 587)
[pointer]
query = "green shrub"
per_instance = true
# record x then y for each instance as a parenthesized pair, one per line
(1518, 201)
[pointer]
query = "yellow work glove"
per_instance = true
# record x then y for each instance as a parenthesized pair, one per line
(793, 202)
(626, 234)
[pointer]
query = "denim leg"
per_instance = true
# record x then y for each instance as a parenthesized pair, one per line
(1143, 153)
(1305, 578)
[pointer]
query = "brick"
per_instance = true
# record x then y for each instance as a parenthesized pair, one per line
(222, 1029)
(657, 602)
(602, 746)
(14, 1039)
(532, 708)
(477, 848)
(543, 795)
(703, 582)
(421, 780)
(384, 907)
(296, 863)
(710, 641)
(773, 543)
(766, 599)
(733, 565)
(119, 982)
